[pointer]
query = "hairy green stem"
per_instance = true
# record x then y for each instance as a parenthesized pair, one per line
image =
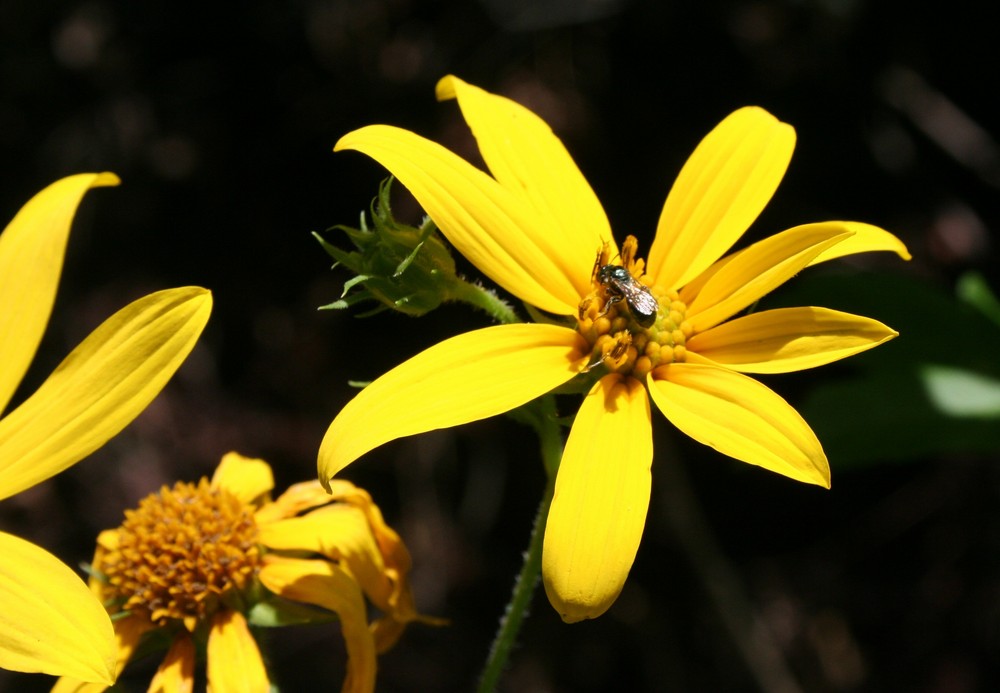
(484, 299)
(541, 415)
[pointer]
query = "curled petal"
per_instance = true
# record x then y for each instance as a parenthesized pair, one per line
(50, 622)
(339, 532)
(724, 185)
(328, 585)
(357, 538)
(601, 499)
(32, 248)
(787, 339)
(739, 417)
(396, 604)
(866, 239)
(527, 159)
(101, 386)
(488, 224)
(234, 661)
(176, 671)
(758, 270)
(466, 378)
(245, 477)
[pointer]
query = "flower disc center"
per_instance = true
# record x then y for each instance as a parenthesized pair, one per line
(617, 318)
(181, 551)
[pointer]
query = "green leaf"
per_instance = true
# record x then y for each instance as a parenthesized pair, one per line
(973, 289)
(962, 394)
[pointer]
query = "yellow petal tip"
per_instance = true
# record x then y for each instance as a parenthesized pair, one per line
(106, 179)
(445, 89)
(577, 610)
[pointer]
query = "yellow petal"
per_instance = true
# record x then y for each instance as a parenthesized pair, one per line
(107, 540)
(128, 632)
(68, 685)
(101, 386)
(788, 339)
(31, 257)
(50, 622)
(758, 270)
(390, 545)
(600, 502)
(396, 603)
(234, 662)
(720, 191)
(295, 499)
(866, 239)
(339, 532)
(487, 223)
(245, 477)
(527, 159)
(739, 417)
(466, 378)
(327, 585)
(176, 671)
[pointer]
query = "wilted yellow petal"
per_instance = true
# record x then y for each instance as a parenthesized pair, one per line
(234, 662)
(466, 378)
(724, 185)
(295, 499)
(247, 478)
(49, 620)
(487, 223)
(339, 532)
(758, 270)
(31, 257)
(329, 586)
(527, 159)
(397, 604)
(739, 417)
(600, 502)
(787, 339)
(866, 239)
(176, 671)
(101, 386)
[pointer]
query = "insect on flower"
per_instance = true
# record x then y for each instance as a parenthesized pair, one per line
(622, 286)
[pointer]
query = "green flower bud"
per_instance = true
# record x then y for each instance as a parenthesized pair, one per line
(404, 268)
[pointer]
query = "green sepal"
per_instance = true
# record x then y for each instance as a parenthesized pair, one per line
(275, 612)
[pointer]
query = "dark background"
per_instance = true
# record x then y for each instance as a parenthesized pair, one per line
(220, 120)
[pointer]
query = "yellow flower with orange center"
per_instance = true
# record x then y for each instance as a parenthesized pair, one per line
(662, 328)
(49, 621)
(192, 561)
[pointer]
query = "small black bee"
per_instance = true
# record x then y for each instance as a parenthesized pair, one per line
(622, 286)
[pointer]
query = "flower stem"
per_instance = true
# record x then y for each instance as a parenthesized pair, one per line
(484, 299)
(541, 416)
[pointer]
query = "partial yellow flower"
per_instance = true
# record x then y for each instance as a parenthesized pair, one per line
(50, 622)
(534, 226)
(191, 561)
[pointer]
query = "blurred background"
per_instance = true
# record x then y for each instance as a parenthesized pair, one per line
(221, 121)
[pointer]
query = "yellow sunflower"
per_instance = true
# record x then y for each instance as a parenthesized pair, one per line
(189, 564)
(660, 329)
(49, 621)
